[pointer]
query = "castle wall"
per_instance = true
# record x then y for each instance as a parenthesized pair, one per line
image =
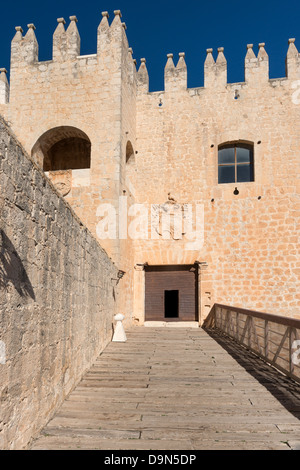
(58, 296)
(250, 252)
(247, 248)
(73, 95)
(82, 92)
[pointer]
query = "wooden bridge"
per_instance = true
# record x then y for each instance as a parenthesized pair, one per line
(174, 388)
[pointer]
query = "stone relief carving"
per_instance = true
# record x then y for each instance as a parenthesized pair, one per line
(168, 219)
(62, 180)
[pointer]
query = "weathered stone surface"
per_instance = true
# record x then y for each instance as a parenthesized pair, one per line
(60, 288)
(250, 238)
(57, 304)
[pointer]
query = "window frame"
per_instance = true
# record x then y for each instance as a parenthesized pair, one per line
(247, 145)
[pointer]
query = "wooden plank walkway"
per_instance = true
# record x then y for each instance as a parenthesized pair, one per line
(177, 389)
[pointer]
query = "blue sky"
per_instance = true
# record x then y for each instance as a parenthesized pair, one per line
(157, 28)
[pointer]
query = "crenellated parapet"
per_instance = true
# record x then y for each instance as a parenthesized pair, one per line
(143, 78)
(112, 36)
(59, 48)
(256, 69)
(113, 52)
(292, 62)
(66, 40)
(103, 33)
(24, 49)
(73, 39)
(175, 77)
(215, 72)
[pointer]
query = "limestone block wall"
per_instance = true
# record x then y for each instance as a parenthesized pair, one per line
(80, 96)
(161, 149)
(250, 252)
(58, 293)
(74, 95)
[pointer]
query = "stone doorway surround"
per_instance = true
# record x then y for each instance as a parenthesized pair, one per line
(139, 317)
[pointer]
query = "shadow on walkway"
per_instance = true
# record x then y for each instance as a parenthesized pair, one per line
(283, 388)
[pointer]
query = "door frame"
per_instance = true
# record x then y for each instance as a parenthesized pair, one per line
(175, 267)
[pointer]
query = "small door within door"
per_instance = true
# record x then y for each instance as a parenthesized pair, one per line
(171, 303)
(171, 293)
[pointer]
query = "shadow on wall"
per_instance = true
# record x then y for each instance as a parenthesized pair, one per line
(12, 271)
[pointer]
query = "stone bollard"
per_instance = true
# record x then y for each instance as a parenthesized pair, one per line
(119, 334)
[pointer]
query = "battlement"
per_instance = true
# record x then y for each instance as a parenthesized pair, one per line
(66, 41)
(256, 69)
(113, 51)
(4, 87)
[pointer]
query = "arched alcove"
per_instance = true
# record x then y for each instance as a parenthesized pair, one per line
(62, 148)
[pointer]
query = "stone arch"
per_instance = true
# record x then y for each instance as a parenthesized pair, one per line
(129, 153)
(236, 142)
(62, 148)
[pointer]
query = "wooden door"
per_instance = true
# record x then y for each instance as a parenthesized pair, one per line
(171, 293)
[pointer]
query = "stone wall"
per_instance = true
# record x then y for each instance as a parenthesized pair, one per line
(250, 249)
(58, 296)
(90, 97)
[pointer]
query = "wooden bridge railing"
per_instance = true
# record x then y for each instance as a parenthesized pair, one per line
(274, 338)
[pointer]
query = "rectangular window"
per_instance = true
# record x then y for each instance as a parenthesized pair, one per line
(235, 163)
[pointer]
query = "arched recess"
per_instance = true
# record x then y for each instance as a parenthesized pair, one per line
(129, 153)
(62, 148)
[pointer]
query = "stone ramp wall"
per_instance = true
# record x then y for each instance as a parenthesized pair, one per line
(57, 296)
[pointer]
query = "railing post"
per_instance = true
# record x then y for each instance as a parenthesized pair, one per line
(292, 336)
(250, 331)
(266, 339)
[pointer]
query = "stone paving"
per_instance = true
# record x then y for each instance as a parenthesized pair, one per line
(177, 389)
